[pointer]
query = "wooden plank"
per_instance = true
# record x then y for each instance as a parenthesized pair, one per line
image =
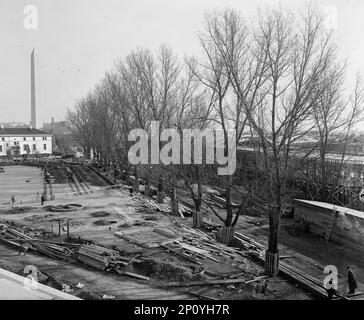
(208, 282)
(131, 274)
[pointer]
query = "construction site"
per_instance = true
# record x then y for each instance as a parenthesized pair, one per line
(95, 239)
(227, 167)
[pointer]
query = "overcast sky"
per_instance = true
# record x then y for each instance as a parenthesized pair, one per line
(78, 40)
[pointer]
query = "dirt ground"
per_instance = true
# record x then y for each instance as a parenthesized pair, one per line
(112, 211)
(307, 252)
(105, 212)
(20, 181)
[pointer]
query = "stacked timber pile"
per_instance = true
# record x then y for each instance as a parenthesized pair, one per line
(196, 246)
(23, 242)
(220, 201)
(96, 256)
(188, 243)
(166, 207)
(150, 204)
(249, 245)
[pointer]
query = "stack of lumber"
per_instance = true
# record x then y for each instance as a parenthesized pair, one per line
(210, 190)
(148, 237)
(248, 244)
(95, 256)
(217, 198)
(166, 207)
(184, 210)
(167, 232)
(192, 233)
(19, 240)
(221, 201)
(195, 246)
(157, 206)
(214, 282)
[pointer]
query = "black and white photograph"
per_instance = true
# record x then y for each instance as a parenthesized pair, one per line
(174, 156)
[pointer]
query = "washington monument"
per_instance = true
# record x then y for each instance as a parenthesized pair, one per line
(33, 121)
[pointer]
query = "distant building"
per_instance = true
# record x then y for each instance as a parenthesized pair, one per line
(14, 124)
(59, 127)
(24, 141)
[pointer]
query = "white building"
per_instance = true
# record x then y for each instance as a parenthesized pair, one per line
(24, 141)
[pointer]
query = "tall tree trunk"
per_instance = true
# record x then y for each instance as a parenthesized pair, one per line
(272, 254)
(147, 185)
(197, 200)
(136, 183)
(228, 230)
(174, 197)
(323, 187)
(160, 194)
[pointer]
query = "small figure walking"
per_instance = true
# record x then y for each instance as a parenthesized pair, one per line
(12, 200)
(351, 281)
(42, 199)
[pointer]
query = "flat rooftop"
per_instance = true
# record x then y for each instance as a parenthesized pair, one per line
(12, 288)
(331, 206)
(21, 132)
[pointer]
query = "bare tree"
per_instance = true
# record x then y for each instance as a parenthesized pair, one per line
(335, 119)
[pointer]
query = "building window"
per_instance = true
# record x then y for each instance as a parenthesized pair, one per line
(45, 138)
(24, 138)
(14, 143)
(25, 147)
(3, 139)
(34, 147)
(33, 138)
(1, 148)
(44, 147)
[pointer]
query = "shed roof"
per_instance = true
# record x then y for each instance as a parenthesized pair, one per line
(330, 206)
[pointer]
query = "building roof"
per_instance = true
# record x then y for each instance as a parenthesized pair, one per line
(330, 206)
(21, 131)
(12, 287)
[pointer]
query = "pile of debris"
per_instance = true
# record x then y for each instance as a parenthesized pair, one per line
(96, 256)
(252, 247)
(89, 254)
(23, 243)
(150, 204)
(166, 207)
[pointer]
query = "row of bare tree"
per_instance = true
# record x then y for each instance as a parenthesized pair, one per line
(277, 77)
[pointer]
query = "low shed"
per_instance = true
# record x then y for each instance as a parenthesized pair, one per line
(316, 217)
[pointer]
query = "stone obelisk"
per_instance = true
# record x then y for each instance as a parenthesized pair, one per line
(33, 121)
